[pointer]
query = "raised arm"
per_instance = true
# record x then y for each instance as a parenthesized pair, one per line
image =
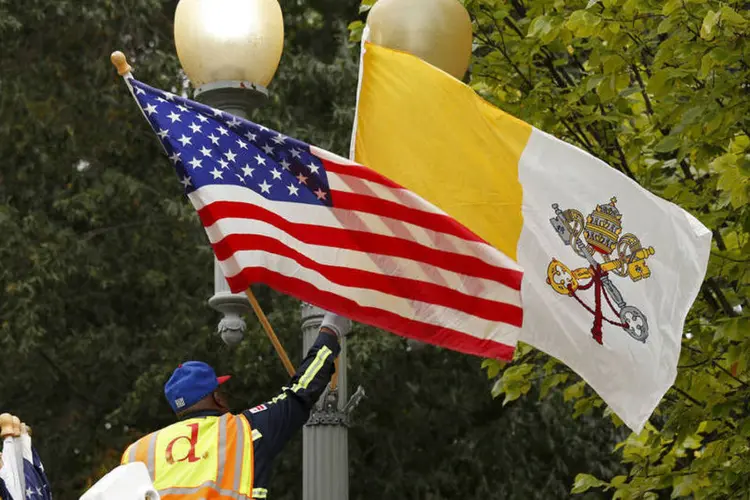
(279, 418)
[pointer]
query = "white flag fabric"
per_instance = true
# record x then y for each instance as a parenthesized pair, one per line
(11, 472)
(610, 271)
(661, 253)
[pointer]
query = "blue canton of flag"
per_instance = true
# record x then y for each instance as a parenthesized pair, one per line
(208, 146)
(37, 486)
(4, 493)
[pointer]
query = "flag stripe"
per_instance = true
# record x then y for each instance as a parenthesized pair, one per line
(392, 285)
(405, 230)
(430, 313)
(360, 241)
(360, 172)
(352, 183)
(385, 208)
(389, 265)
(347, 219)
(382, 318)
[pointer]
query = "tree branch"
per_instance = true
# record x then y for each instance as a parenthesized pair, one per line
(688, 396)
(717, 365)
(502, 49)
(729, 258)
(519, 7)
(623, 160)
(725, 305)
(649, 107)
(708, 297)
(580, 137)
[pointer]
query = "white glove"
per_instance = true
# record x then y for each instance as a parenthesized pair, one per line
(337, 324)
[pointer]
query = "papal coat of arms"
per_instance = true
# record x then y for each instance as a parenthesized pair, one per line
(600, 235)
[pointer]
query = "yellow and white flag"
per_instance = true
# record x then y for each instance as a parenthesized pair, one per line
(610, 270)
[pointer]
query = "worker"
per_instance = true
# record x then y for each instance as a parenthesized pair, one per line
(213, 454)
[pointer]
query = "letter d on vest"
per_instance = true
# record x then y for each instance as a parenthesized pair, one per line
(192, 440)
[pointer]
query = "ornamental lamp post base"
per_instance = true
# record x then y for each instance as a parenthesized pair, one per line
(233, 306)
(325, 460)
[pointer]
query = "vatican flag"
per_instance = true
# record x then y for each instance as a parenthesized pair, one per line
(610, 270)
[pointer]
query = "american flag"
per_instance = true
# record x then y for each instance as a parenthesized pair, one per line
(335, 234)
(22, 474)
(37, 485)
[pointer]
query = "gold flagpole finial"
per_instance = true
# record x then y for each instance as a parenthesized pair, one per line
(120, 62)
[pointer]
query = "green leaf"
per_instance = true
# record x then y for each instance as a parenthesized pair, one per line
(665, 26)
(686, 485)
(734, 329)
(493, 367)
(366, 5)
(618, 481)
(583, 23)
(585, 482)
(593, 82)
(612, 63)
(731, 179)
(584, 405)
(657, 84)
(616, 421)
(731, 17)
(709, 24)
(707, 63)
(708, 426)
(539, 26)
(514, 382)
(574, 391)
(739, 144)
(670, 6)
(693, 442)
(667, 144)
(550, 382)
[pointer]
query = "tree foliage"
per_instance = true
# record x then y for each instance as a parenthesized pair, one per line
(659, 90)
(105, 272)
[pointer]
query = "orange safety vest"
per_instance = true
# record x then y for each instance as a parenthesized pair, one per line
(207, 458)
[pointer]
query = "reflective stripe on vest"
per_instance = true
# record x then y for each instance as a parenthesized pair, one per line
(201, 458)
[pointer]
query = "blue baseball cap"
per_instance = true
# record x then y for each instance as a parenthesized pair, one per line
(191, 382)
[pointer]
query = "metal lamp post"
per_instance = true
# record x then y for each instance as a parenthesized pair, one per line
(230, 50)
(325, 438)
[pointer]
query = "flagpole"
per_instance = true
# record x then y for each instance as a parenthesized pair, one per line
(269, 331)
